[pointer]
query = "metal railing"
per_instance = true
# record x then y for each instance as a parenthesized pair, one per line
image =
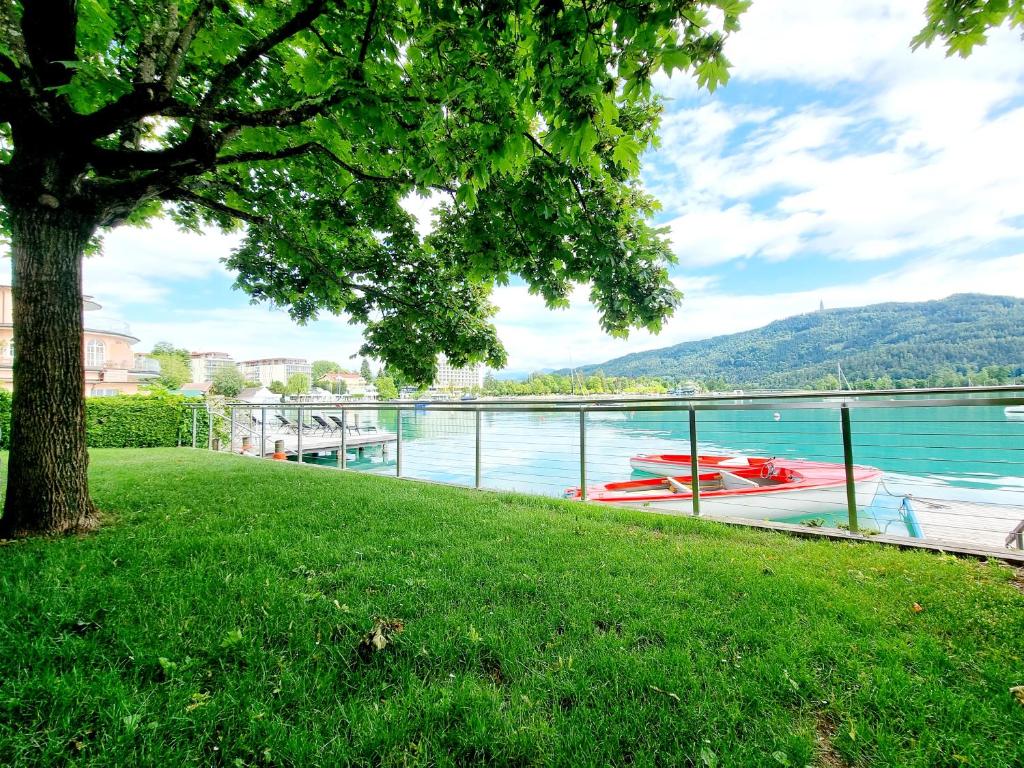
(952, 461)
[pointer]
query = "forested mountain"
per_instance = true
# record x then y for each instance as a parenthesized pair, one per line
(897, 341)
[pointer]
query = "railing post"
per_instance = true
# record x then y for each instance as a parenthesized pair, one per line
(298, 445)
(694, 462)
(263, 431)
(231, 431)
(398, 443)
(476, 464)
(343, 451)
(195, 425)
(583, 454)
(209, 427)
(851, 487)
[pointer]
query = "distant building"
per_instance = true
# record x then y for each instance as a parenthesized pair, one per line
(111, 368)
(451, 378)
(271, 369)
(355, 384)
(205, 364)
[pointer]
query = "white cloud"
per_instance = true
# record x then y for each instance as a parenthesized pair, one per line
(138, 265)
(252, 331)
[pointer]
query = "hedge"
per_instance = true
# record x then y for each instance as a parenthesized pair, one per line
(128, 421)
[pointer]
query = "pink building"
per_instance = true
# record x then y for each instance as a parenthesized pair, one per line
(111, 368)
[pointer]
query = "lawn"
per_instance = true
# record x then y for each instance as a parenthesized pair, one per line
(226, 615)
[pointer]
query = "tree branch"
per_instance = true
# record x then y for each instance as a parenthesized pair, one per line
(568, 172)
(278, 117)
(9, 68)
(302, 149)
(364, 45)
(234, 69)
(176, 56)
(180, 193)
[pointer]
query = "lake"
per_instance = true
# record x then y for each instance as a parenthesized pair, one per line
(966, 453)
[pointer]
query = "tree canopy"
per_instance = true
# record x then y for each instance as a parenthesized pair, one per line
(227, 381)
(386, 388)
(311, 122)
(321, 368)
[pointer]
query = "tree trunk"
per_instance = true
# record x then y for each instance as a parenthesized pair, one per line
(47, 483)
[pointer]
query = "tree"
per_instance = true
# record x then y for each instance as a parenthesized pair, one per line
(297, 384)
(173, 372)
(322, 367)
(386, 389)
(963, 24)
(365, 372)
(228, 381)
(309, 122)
(277, 387)
(167, 349)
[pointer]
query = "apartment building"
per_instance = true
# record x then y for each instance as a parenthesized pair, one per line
(268, 370)
(206, 364)
(452, 378)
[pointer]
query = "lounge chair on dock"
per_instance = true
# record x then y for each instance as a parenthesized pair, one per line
(322, 425)
(286, 424)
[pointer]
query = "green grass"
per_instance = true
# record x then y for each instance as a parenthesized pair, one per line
(219, 616)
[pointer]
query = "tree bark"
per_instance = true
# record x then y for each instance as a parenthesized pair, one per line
(47, 480)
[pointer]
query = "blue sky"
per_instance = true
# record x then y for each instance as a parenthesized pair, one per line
(836, 166)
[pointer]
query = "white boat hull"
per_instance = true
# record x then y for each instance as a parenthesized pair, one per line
(766, 506)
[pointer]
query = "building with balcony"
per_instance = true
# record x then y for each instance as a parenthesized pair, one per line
(205, 364)
(450, 378)
(111, 368)
(271, 369)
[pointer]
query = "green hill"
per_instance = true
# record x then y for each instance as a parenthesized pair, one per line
(904, 341)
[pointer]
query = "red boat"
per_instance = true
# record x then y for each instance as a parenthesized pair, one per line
(762, 488)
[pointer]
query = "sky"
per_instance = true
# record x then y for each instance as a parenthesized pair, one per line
(837, 166)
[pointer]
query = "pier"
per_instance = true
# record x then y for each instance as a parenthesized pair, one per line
(327, 443)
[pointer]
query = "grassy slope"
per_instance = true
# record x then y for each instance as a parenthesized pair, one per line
(535, 632)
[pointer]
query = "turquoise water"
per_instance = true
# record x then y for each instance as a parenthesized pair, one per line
(961, 453)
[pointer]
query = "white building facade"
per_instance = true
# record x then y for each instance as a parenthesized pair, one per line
(206, 364)
(452, 378)
(271, 369)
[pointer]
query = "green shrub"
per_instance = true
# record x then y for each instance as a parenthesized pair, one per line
(140, 421)
(5, 419)
(128, 421)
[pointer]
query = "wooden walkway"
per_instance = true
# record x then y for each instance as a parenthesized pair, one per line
(318, 442)
(966, 522)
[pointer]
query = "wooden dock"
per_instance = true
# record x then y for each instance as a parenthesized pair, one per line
(990, 526)
(319, 442)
